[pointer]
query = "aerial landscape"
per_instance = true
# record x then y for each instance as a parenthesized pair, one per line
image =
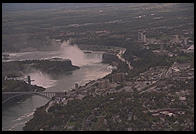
(98, 66)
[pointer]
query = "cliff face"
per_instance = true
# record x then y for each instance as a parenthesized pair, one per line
(51, 66)
(54, 66)
(18, 68)
(109, 58)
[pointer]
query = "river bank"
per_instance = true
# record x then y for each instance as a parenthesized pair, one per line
(17, 69)
(17, 86)
(89, 89)
(50, 66)
(92, 70)
(116, 103)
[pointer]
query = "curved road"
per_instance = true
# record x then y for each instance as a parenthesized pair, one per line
(120, 54)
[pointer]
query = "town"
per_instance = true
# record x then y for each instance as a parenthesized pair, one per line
(163, 82)
(100, 66)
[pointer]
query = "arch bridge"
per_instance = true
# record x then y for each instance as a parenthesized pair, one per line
(48, 95)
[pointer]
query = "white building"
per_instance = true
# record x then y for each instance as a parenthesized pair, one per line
(144, 38)
(140, 36)
(190, 49)
(185, 41)
(177, 39)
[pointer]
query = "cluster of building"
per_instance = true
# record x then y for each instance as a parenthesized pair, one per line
(185, 44)
(114, 78)
(180, 71)
(142, 36)
(118, 77)
(180, 40)
(5, 56)
(108, 85)
(153, 80)
(105, 83)
(99, 87)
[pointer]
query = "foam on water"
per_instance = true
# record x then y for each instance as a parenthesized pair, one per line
(77, 56)
(41, 79)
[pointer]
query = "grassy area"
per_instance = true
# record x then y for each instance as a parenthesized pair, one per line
(52, 22)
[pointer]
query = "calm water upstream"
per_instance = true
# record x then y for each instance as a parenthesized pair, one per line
(91, 68)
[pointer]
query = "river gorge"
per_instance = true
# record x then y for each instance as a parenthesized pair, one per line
(91, 68)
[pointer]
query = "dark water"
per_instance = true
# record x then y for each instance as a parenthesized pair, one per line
(14, 118)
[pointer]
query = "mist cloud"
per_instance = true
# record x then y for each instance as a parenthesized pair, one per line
(76, 55)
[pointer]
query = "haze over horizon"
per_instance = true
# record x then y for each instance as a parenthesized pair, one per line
(130, 67)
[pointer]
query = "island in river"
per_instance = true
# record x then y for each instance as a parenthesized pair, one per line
(50, 66)
(14, 69)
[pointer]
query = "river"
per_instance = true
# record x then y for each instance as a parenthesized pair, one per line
(91, 68)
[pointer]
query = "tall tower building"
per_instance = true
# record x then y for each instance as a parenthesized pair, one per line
(140, 36)
(161, 47)
(185, 41)
(144, 38)
(177, 39)
(29, 79)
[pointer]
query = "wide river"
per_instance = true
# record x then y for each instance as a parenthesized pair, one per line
(91, 68)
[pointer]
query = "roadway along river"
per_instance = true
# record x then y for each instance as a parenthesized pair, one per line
(120, 54)
(91, 68)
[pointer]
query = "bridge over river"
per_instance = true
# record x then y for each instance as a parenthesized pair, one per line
(48, 95)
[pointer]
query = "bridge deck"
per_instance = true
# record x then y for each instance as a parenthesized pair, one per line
(28, 92)
(48, 95)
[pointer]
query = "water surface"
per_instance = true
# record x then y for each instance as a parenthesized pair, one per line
(91, 68)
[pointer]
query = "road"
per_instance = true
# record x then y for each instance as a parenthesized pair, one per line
(120, 54)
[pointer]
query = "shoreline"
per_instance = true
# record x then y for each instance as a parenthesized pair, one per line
(22, 98)
(86, 84)
(80, 88)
